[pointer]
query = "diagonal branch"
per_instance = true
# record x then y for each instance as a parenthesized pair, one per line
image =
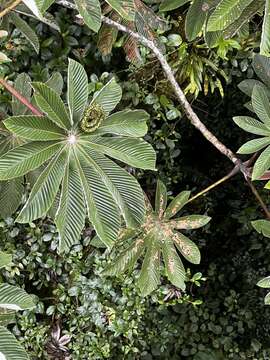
(191, 115)
(20, 97)
(9, 8)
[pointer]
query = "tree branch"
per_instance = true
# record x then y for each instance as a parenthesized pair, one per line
(20, 97)
(191, 115)
(9, 8)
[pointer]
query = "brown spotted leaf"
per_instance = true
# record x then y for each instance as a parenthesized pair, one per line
(127, 259)
(161, 199)
(190, 222)
(175, 270)
(187, 248)
(149, 277)
(176, 204)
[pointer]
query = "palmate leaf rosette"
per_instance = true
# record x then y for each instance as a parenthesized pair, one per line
(261, 127)
(76, 165)
(159, 239)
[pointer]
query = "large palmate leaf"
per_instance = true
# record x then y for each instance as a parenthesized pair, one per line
(108, 97)
(70, 152)
(77, 94)
(225, 13)
(260, 105)
(25, 158)
(158, 238)
(51, 104)
(70, 215)
(10, 348)
(14, 298)
(135, 152)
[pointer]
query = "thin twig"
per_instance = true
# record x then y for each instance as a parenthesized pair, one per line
(9, 8)
(258, 197)
(233, 172)
(20, 97)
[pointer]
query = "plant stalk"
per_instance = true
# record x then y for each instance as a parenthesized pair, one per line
(9, 8)
(20, 97)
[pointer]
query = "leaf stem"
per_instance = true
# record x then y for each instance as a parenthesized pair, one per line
(20, 97)
(233, 172)
(9, 8)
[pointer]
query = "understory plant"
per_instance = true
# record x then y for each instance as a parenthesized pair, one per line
(68, 148)
(159, 238)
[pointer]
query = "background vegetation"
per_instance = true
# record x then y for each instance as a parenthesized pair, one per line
(82, 314)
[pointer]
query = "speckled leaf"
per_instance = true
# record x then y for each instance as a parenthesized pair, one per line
(187, 248)
(190, 222)
(177, 204)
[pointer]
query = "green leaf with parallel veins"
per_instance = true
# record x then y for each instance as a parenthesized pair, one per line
(125, 123)
(265, 37)
(190, 222)
(91, 13)
(14, 298)
(101, 208)
(127, 259)
(32, 127)
(247, 14)
(70, 217)
(77, 91)
(26, 30)
(168, 5)
(261, 65)
(23, 85)
(45, 189)
(195, 18)
(187, 248)
(56, 82)
(51, 104)
(251, 125)
(260, 104)
(149, 275)
(262, 164)
(11, 193)
(108, 96)
(27, 157)
(262, 227)
(247, 86)
(264, 283)
(225, 13)
(161, 199)
(123, 187)
(10, 348)
(254, 145)
(175, 270)
(125, 8)
(177, 204)
(132, 151)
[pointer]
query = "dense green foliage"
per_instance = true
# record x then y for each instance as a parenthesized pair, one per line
(206, 308)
